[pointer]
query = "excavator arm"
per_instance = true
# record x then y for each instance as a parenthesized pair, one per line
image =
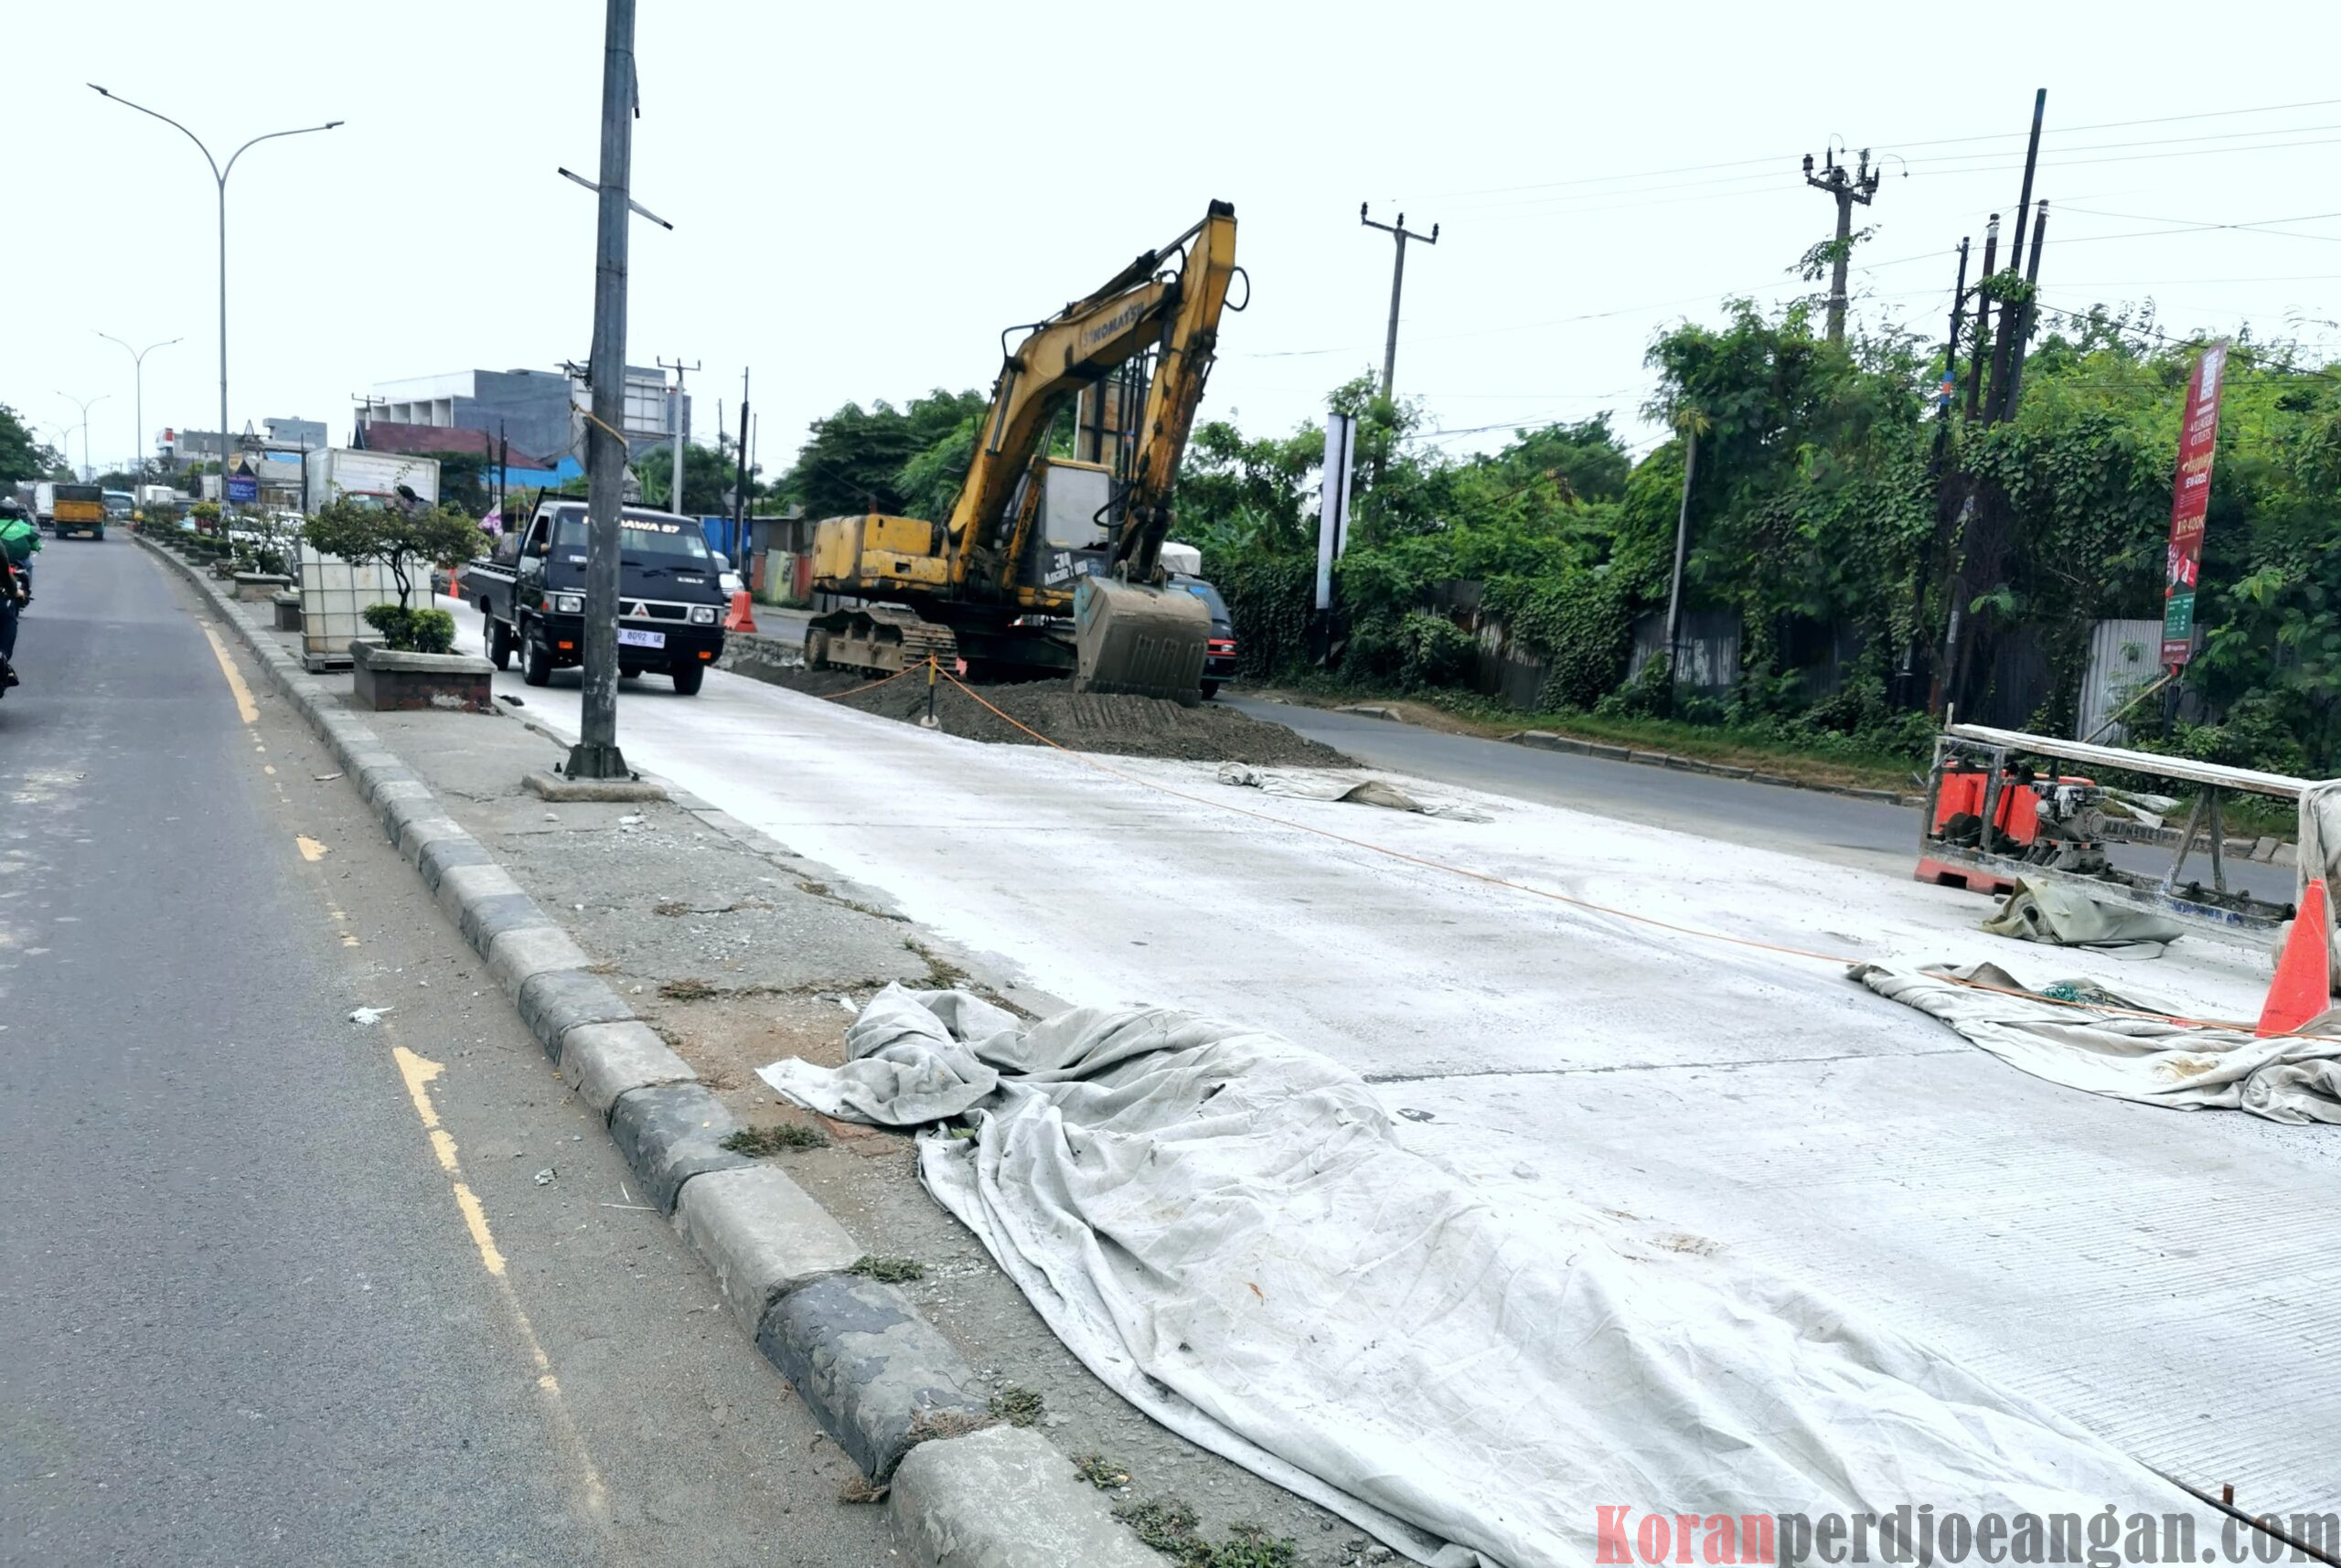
(1147, 302)
(1178, 390)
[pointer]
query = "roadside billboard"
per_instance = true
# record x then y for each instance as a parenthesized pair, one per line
(2198, 442)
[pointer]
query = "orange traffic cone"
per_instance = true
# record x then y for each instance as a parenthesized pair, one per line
(2303, 985)
(741, 619)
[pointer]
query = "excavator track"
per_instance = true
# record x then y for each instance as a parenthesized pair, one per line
(878, 638)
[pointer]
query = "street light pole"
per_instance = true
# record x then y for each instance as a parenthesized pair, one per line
(83, 403)
(219, 177)
(138, 395)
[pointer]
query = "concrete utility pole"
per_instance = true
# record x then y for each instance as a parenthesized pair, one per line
(1681, 555)
(2012, 313)
(1976, 359)
(138, 394)
(596, 753)
(740, 476)
(1399, 234)
(1846, 190)
(675, 496)
(219, 177)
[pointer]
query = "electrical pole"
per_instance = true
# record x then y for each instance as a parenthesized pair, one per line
(1983, 318)
(1399, 234)
(1951, 344)
(1846, 190)
(1682, 553)
(1996, 402)
(740, 473)
(675, 497)
(596, 753)
(2031, 310)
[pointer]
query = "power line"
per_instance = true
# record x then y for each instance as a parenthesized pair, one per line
(1933, 142)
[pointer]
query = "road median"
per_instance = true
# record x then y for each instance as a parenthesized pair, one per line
(584, 911)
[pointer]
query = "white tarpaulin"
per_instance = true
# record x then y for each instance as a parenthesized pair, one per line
(1319, 783)
(2158, 1061)
(1229, 1230)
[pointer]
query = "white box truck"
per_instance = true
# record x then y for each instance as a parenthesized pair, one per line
(332, 471)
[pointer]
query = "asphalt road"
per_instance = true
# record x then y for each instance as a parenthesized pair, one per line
(1803, 822)
(279, 1288)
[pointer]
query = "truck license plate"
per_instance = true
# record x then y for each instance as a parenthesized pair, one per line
(629, 637)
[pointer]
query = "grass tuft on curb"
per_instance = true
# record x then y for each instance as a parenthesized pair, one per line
(1167, 1525)
(1017, 1406)
(760, 1141)
(889, 1271)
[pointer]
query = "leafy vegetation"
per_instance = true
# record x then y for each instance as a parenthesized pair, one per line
(409, 630)
(889, 1271)
(1169, 1526)
(406, 541)
(21, 456)
(1017, 1406)
(860, 459)
(1839, 517)
(776, 1139)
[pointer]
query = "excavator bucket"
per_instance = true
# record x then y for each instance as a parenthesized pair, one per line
(1147, 641)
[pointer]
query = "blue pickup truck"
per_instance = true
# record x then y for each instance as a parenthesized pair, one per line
(531, 591)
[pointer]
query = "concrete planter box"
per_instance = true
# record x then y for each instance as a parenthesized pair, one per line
(257, 587)
(288, 611)
(386, 680)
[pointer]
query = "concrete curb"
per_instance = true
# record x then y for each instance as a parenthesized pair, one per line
(878, 1377)
(1003, 1498)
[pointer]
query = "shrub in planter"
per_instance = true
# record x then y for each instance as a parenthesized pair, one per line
(409, 630)
(406, 541)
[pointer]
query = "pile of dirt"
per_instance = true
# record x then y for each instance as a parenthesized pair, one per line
(1086, 721)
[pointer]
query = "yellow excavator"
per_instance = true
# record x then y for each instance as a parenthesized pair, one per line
(1051, 563)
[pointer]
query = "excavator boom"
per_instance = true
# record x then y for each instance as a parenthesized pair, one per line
(993, 571)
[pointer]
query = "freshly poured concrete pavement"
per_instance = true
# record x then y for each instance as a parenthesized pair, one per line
(2145, 1270)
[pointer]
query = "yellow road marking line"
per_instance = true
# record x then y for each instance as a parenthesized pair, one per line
(246, 708)
(419, 1073)
(311, 850)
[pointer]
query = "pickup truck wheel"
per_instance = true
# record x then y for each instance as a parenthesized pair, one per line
(499, 644)
(536, 659)
(1211, 690)
(688, 678)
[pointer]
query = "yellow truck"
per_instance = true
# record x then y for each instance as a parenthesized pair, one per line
(72, 509)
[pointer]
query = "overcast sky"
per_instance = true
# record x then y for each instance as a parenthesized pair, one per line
(865, 194)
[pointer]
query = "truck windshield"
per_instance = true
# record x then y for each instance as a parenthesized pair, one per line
(672, 541)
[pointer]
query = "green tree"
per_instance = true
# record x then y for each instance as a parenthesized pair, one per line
(855, 458)
(464, 478)
(404, 541)
(22, 457)
(709, 475)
